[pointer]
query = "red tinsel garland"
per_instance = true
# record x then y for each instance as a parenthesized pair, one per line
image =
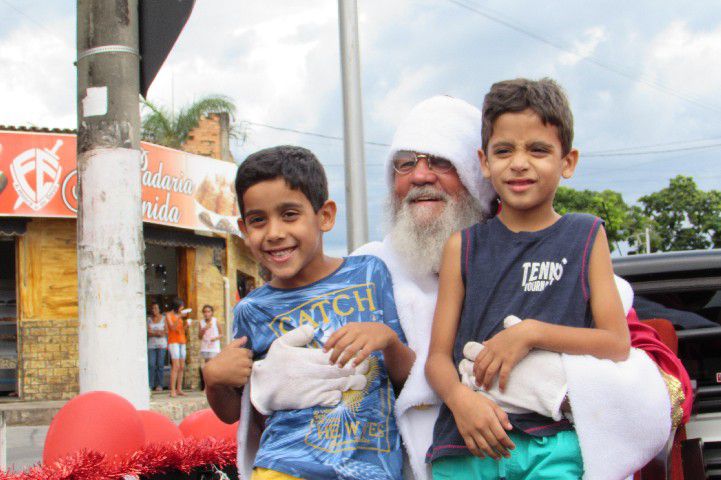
(183, 455)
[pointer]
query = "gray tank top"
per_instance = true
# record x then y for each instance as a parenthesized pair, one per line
(541, 275)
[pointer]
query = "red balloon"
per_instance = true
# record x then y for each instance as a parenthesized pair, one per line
(100, 421)
(204, 423)
(158, 428)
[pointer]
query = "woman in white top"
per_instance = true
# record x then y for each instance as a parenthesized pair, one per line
(157, 344)
(209, 334)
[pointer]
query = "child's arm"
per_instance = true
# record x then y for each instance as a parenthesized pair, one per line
(360, 339)
(219, 328)
(480, 421)
(609, 339)
(169, 324)
(203, 329)
(220, 333)
(224, 375)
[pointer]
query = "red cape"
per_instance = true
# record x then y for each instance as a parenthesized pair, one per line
(647, 339)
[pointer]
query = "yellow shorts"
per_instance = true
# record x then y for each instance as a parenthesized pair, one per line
(260, 473)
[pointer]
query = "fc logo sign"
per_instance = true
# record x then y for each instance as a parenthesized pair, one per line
(36, 175)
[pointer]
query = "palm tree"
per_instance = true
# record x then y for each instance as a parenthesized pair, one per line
(165, 127)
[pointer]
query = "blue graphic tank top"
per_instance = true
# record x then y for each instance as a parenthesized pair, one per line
(541, 275)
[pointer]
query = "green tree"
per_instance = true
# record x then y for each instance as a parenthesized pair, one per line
(638, 226)
(171, 129)
(608, 205)
(687, 218)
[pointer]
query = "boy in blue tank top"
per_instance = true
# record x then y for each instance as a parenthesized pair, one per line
(347, 303)
(552, 271)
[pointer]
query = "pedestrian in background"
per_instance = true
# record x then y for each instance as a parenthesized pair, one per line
(175, 319)
(157, 345)
(209, 334)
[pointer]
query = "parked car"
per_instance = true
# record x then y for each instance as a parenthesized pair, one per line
(689, 285)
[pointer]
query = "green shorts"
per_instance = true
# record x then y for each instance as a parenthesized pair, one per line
(556, 457)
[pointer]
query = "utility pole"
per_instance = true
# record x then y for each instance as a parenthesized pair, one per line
(355, 185)
(111, 281)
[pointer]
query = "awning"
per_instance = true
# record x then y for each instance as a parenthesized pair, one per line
(173, 237)
(12, 226)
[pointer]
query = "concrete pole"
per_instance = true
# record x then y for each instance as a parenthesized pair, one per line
(355, 185)
(3, 442)
(111, 281)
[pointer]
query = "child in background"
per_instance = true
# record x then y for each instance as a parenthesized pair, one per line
(157, 346)
(346, 303)
(176, 320)
(552, 271)
(209, 334)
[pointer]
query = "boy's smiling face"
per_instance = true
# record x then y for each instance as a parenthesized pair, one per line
(284, 233)
(525, 162)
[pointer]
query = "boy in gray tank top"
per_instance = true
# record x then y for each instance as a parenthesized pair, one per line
(554, 272)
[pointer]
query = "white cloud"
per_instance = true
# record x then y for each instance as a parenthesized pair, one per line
(686, 60)
(279, 62)
(390, 108)
(278, 68)
(38, 78)
(584, 48)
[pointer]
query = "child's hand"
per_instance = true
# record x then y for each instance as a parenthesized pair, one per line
(501, 354)
(481, 423)
(231, 367)
(359, 340)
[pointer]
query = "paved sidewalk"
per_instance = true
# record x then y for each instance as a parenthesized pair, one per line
(25, 446)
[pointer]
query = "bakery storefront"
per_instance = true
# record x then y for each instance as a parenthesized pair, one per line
(192, 250)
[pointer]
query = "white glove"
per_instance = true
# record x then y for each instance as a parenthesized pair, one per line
(293, 376)
(536, 384)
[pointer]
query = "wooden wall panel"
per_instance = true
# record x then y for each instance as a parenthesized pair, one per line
(239, 259)
(47, 270)
(186, 278)
(48, 309)
(209, 284)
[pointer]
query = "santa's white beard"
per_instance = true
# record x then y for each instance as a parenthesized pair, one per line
(418, 235)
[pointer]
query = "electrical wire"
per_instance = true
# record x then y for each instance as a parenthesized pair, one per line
(587, 58)
(655, 145)
(312, 134)
(50, 32)
(651, 152)
(618, 152)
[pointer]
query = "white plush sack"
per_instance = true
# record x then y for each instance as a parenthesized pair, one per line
(248, 437)
(536, 384)
(621, 410)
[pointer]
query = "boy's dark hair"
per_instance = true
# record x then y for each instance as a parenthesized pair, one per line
(176, 304)
(545, 97)
(300, 169)
(207, 306)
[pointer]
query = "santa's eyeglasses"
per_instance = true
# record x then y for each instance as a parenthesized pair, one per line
(405, 162)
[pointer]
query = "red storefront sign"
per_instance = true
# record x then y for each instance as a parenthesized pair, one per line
(38, 178)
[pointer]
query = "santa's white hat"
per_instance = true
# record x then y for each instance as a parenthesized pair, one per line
(450, 128)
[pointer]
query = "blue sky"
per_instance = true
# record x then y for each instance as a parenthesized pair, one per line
(638, 74)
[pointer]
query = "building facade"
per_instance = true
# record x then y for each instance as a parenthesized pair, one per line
(192, 250)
